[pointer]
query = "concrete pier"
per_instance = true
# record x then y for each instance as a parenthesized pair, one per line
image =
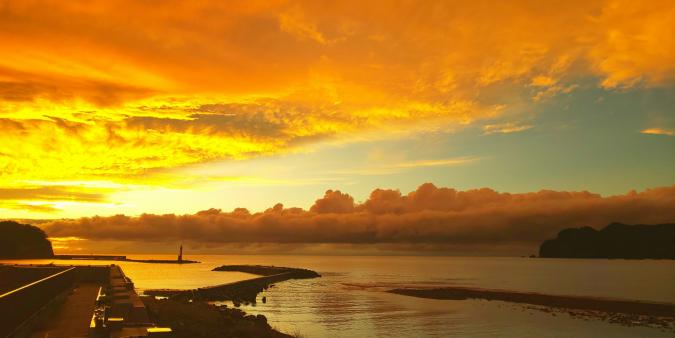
(72, 301)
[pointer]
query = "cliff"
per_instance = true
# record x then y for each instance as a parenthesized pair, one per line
(23, 241)
(614, 241)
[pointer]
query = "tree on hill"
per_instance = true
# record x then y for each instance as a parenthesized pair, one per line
(614, 241)
(23, 241)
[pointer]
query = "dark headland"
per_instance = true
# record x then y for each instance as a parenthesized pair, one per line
(18, 241)
(616, 240)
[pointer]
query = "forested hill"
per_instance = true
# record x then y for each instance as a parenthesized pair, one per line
(614, 241)
(23, 241)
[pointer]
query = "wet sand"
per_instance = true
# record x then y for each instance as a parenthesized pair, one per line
(618, 311)
(571, 302)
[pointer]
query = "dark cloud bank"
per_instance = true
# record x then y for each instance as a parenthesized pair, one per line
(427, 219)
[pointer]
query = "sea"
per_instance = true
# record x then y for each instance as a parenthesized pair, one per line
(349, 300)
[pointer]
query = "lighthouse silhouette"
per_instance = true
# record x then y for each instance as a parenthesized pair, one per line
(180, 254)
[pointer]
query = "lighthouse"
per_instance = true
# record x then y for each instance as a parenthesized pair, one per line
(180, 254)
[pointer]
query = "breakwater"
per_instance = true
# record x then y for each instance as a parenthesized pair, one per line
(92, 257)
(241, 291)
(123, 259)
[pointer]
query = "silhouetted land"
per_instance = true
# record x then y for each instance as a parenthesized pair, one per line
(614, 241)
(23, 241)
(241, 291)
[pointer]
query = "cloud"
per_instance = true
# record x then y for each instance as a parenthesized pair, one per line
(658, 131)
(387, 166)
(429, 216)
(38, 208)
(299, 27)
(194, 82)
(46, 198)
(505, 128)
(333, 202)
(131, 148)
(52, 193)
(437, 163)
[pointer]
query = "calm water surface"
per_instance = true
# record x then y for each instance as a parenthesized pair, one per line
(348, 301)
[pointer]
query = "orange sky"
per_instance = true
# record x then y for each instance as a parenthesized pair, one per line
(107, 102)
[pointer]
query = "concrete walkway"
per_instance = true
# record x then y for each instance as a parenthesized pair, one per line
(72, 319)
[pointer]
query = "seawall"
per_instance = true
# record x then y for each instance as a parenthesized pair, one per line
(25, 302)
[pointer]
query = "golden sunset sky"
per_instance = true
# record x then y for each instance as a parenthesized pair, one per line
(131, 107)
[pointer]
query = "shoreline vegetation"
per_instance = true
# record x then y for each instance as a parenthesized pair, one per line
(626, 312)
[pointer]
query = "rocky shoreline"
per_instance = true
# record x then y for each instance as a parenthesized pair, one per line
(200, 319)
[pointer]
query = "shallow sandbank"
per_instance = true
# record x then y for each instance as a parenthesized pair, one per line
(571, 302)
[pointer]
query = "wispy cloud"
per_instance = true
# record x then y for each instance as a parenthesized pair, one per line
(387, 168)
(446, 162)
(40, 208)
(658, 131)
(505, 128)
(53, 193)
(51, 198)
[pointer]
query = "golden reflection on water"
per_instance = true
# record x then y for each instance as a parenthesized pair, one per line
(348, 300)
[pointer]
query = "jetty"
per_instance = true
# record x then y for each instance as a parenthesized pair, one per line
(244, 291)
(123, 259)
(72, 301)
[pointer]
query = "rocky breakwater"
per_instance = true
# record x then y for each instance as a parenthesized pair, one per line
(243, 291)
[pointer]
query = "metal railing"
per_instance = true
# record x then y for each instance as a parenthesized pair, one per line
(18, 306)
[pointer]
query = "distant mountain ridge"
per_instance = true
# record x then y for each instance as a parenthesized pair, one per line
(23, 241)
(614, 241)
